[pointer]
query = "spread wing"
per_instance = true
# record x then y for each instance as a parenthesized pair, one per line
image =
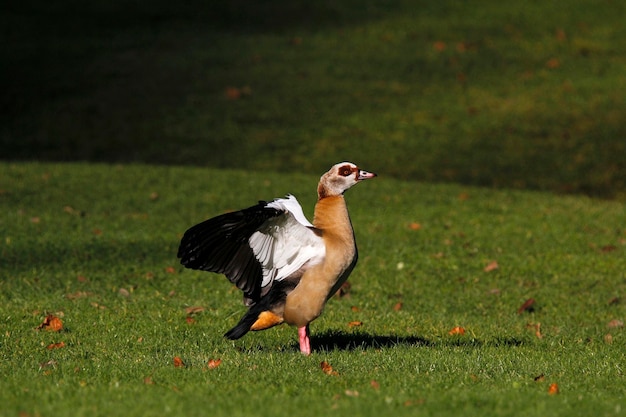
(255, 246)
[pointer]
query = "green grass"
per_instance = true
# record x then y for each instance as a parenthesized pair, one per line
(512, 95)
(96, 245)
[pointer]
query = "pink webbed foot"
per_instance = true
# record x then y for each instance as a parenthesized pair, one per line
(305, 341)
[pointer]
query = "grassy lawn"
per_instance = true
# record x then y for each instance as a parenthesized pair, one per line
(512, 95)
(95, 246)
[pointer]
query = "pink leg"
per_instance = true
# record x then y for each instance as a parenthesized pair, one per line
(305, 342)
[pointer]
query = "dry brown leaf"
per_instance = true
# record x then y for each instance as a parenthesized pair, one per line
(178, 362)
(194, 310)
(355, 324)
(213, 363)
(327, 369)
(529, 306)
(457, 330)
(374, 384)
(397, 306)
(537, 328)
(148, 380)
(170, 270)
(190, 320)
(615, 324)
(51, 323)
(492, 266)
(439, 46)
(344, 290)
(55, 345)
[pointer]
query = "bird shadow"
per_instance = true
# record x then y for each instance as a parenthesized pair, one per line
(339, 340)
(334, 340)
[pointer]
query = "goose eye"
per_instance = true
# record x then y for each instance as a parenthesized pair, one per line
(345, 171)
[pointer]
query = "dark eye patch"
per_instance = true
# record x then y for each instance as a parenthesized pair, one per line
(345, 171)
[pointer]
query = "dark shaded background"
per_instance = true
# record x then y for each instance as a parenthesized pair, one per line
(253, 85)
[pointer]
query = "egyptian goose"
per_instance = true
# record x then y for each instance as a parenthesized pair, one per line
(286, 267)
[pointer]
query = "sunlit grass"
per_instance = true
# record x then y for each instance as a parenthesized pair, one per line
(95, 245)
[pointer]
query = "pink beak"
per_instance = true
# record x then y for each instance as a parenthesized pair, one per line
(364, 175)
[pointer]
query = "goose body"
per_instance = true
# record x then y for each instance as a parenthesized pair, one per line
(286, 267)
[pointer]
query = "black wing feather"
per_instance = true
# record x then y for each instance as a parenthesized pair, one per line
(220, 245)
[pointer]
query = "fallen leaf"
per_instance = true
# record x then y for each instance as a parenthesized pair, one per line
(148, 380)
(397, 306)
(537, 328)
(355, 308)
(194, 310)
(48, 364)
(529, 306)
(608, 338)
(352, 393)
(214, 363)
(553, 389)
(464, 196)
(553, 63)
(178, 362)
(55, 345)
(124, 292)
(344, 290)
(457, 330)
(51, 323)
(615, 324)
(232, 93)
(97, 232)
(409, 403)
(374, 384)
(154, 196)
(78, 294)
(608, 248)
(327, 369)
(35, 220)
(439, 46)
(190, 320)
(415, 226)
(81, 278)
(170, 270)
(355, 324)
(493, 265)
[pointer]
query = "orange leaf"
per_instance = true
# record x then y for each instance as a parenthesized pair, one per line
(327, 369)
(492, 266)
(415, 226)
(190, 320)
(51, 323)
(553, 389)
(553, 63)
(55, 345)
(374, 384)
(214, 363)
(457, 330)
(170, 270)
(439, 46)
(178, 362)
(397, 306)
(615, 324)
(355, 324)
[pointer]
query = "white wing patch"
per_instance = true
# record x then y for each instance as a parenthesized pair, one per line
(286, 243)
